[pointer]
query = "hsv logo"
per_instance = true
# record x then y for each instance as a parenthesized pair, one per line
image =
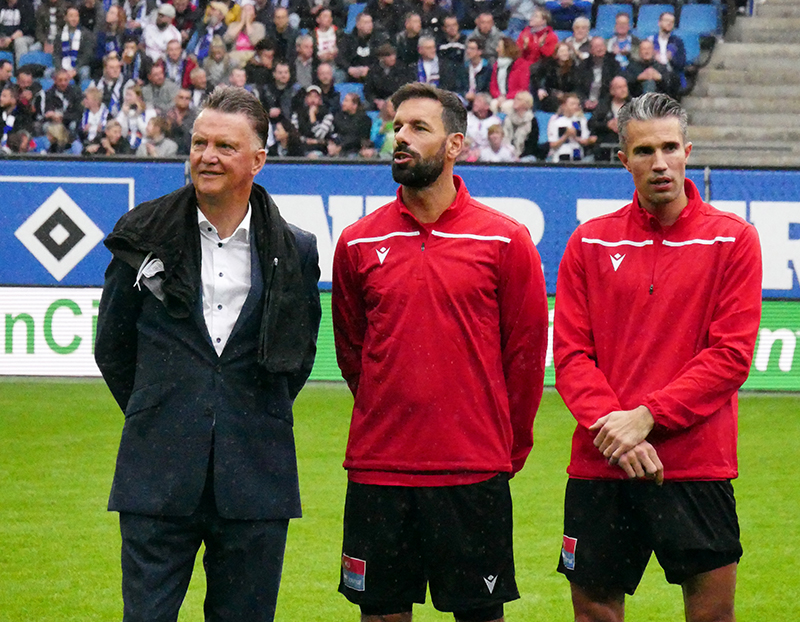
(616, 260)
(382, 252)
(490, 581)
(354, 572)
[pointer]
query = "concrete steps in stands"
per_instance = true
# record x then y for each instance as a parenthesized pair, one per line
(767, 30)
(745, 108)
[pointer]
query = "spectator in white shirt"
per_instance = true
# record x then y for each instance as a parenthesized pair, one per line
(497, 151)
(157, 36)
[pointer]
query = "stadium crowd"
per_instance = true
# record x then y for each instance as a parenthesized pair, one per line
(98, 77)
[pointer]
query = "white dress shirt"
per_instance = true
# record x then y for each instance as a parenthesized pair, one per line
(225, 274)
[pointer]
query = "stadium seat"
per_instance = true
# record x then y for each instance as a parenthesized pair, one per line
(353, 11)
(36, 58)
(85, 84)
(702, 19)
(46, 83)
(563, 34)
(647, 21)
(543, 118)
(9, 56)
(350, 87)
(691, 41)
(607, 17)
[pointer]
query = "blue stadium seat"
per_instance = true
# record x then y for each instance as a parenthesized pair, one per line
(350, 87)
(36, 58)
(691, 41)
(647, 21)
(700, 18)
(563, 34)
(9, 56)
(46, 83)
(607, 16)
(543, 118)
(353, 11)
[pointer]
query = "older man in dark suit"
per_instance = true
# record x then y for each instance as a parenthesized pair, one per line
(206, 333)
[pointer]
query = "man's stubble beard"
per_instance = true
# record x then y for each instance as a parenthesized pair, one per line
(421, 173)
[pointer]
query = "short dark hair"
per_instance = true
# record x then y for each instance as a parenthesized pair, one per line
(454, 115)
(646, 108)
(5, 61)
(236, 100)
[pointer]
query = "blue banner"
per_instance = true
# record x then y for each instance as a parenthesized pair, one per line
(55, 213)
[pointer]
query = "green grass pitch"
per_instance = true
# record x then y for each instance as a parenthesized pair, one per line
(59, 548)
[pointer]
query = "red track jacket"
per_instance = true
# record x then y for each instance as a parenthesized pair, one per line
(661, 317)
(441, 332)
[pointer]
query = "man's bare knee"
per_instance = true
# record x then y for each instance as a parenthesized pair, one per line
(709, 597)
(597, 605)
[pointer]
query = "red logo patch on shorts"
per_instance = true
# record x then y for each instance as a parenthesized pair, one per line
(354, 572)
(568, 552)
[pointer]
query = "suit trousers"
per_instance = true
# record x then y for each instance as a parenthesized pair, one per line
(243, 560)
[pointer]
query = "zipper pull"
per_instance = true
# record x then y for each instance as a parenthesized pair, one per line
(651, 288)
(423, 246)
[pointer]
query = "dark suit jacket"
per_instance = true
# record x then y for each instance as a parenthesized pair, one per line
(180, 398)
(585, 76)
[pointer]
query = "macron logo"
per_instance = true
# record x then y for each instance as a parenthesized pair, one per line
(490, 581)
(616, 260)
(382, 254)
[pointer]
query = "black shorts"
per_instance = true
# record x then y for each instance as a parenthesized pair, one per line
(612, 527)
(456, 539)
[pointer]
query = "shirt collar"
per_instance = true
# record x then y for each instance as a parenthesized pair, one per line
(242, 231)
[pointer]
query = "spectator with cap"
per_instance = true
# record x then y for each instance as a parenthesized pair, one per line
(538, 41)
(385, 77)
(313, 121)
(75, 48)
(156, 36)
(156, 143)
(623, 44)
